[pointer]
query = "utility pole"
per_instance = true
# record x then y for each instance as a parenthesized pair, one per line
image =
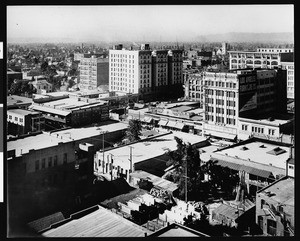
(184, 159)
(130, 158)
(103, 150)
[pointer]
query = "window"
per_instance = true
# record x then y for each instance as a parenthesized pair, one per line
(271, 227)
(261, 222)
(50, 162)
(16, 118)
(10, 117)
(21, 119)
(271, 132)
(37, 165)
(55, 161)
(244, 127)
(43, 163)
(65, 158)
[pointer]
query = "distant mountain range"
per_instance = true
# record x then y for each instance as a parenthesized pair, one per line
(284, 37)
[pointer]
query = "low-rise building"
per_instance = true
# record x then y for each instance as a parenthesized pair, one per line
(21, 121)
(72, 112)
(149, 155)
(42, 85)
(275, 208)
(262, 161)
(96, 222)
(183, 116)
(16, 101)
(58, 164)
(177, 230)
(267, 128)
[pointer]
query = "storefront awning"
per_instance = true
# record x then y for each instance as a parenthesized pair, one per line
(171, 124)
(179, 125)
(221, 134)
(147, 119)
(162, 122)
(197, 127)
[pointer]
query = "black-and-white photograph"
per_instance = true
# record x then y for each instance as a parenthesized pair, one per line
(150, 120)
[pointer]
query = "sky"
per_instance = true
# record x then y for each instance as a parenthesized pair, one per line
(133, 23)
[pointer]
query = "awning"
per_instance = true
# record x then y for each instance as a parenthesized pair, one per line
(243, 136)
(221, 134)
(197, 127)
(147, 119)
(171, 124)
(261, 173)
(247, 169)
(162, 122)
(179, 125)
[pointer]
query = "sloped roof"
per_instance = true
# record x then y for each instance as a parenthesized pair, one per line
(45, 222)
(100, 223)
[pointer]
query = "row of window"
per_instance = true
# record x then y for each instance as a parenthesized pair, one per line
(220, 119)
(260, 130)
(52, 161)
(16, 118)
(122, 56)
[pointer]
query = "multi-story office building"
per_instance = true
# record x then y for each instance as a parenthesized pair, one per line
(144, 71)
(130, 70)
(275, 50)
(256, 59)
(224, 48)
(194, 88)
(289, 66)
(239, 93)
(93, 72)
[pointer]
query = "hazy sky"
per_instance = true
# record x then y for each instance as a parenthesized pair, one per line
(154, 23)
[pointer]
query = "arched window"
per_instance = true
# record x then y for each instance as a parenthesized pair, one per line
(274, 63)
(257, 62)
(249, 61)
(234, 61)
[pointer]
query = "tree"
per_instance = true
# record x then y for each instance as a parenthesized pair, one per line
(221, 177)
(134, 130)
(186, 155)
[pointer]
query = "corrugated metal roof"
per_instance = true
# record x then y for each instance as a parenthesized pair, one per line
(162, 122)
(100, 223)
(156, 181)
(227, 211)
(251, 170)
(171, 124)
(179, 125)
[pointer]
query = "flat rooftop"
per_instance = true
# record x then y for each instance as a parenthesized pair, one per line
(284, 190)
(46, 140)
(100, 223)
(150, 149)
(260, 152)
(266, 121)
(69, 103)
(22, 112)
(86, 132)
(15, 100)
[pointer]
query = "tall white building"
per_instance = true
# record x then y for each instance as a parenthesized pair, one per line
(130, 70)
(143, 71)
